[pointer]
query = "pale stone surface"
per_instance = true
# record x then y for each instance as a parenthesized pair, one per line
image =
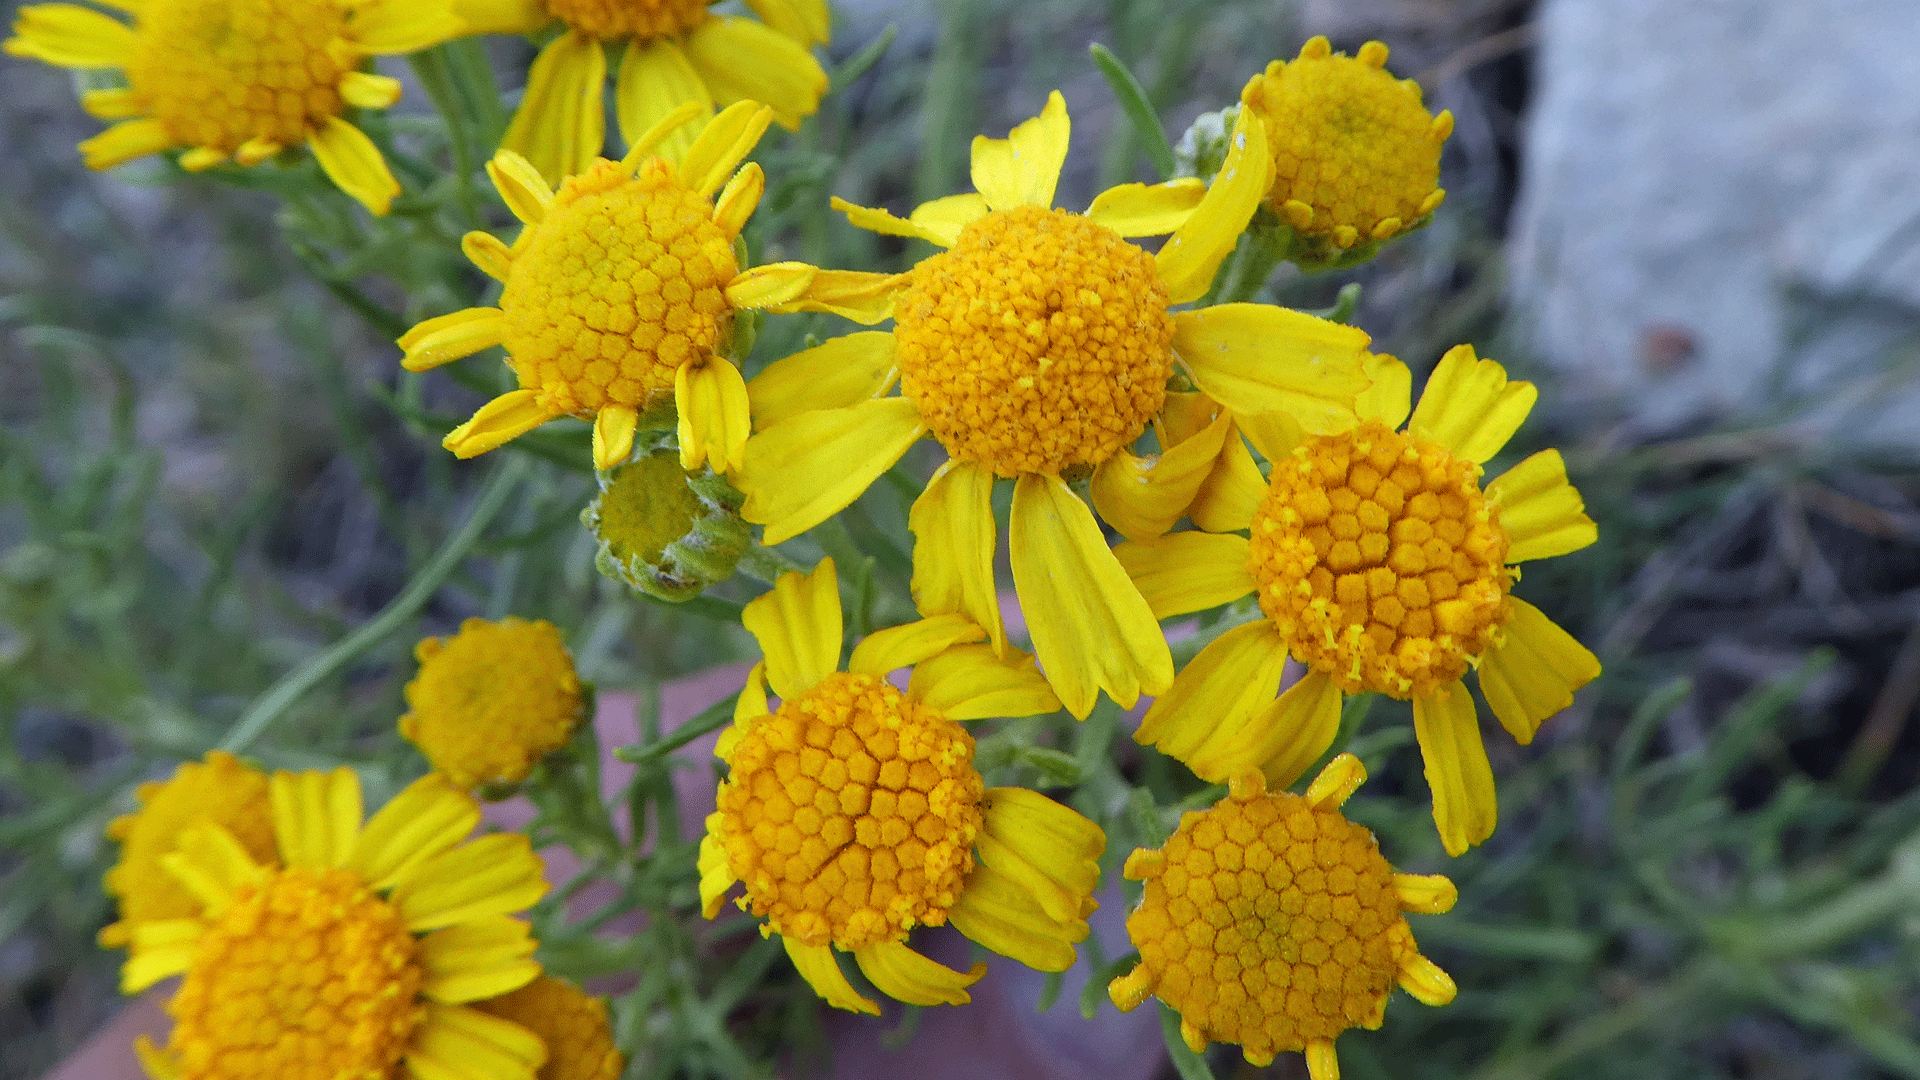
(1720, 212)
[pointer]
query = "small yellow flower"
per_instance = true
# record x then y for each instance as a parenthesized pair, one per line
(852, 814)
(672, 52)
(1272, 921)
(358, 952)
(492, 700)
(619, 295)
(1382, 564)
(222, 790)
(1038, 347)
(1356, 156)
(573, 1026)
(240, 80)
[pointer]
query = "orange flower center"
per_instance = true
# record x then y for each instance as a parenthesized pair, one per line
(305, 974)
(220, 72)
(1272, 924)
(1037, 343)
(643, 19)
(618, 286)
(1379, 558)
(851, 813)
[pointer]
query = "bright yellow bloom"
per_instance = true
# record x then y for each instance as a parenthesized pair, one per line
(359, 951)
(222, 790)
(239, 80)
(1272, 921)
(619, 295)
(1380, 563)
(672, 52)
(1356, 156)
(492, 700)
(573, 1026)
(1038, 347)
(852, 814)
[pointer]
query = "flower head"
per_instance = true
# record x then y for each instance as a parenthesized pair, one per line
(665, 530)
(619, 296)
(573, 1026)
(1038, 347)
(672, 52)
(1356, 156)
(1383, 564)
(492, 700)
(221, 789)
(1271, 921)
(240, 80)
(853, 812)
(358, 951)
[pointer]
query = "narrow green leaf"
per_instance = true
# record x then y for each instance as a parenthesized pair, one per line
(1133, 101)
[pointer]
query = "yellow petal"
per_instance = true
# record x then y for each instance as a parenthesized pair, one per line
(744, 60)
(1143, 497)
(714, 418)
(1423, 979)
(1231, 493)
(1050, 849)
(723, 144)
(770, 286)
(822, 972)
(942, 219)
(116, 103)
(1456, 765)
(798, 627)
(1534, 672)
(69, 35)
(972, 682)
(427, 817)
(256, 150)
(498, 422)
(805, 21)
(155, 1062)
(851, 294)
(201, 158)
(874, 219)
(1231, 679)
(125, 141)
(748, 708)
(391, 27)
(316, 816)
(481, 958)
(1426, 894)
(1390, 397)
(520, 186)
(458, 1042)
(1091, 629)
(716, 876)
(561, 123)
(487, 252)
(1274, 434)
(1336, 783)
(1188, 571)
(905, 975)
(1257, 358)
(994, 910)
(492, 875)
(1190, 258)
(906, 645)
(1322, 1062)
(1282, 740)
(655, 84)
(502, 16)
(1542, 514)
(160, 948)
(1469, 407)
(1023, 168)
(835, 374)
(613, 428)
(953, 542)
(803, 470)
(365, 90)
(211, 864)
(447, 338)
(738, 200)
(354, 164)
(1148, 209)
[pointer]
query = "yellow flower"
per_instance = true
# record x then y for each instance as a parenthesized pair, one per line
(1356, 156)
(573, 1026)
(1038, 347)
(1381, 564)
(359, 951)
(619, 295)
(1272, 921)
(674, 52)
(239, 79)
(492, 700)
(222, 790)
(852, 814)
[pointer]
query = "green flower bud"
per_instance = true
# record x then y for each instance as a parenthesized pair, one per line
(663, 530)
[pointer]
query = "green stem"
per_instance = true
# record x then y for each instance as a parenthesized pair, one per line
(433, 70)
(271, 705)
(712, 718)
(1251, 266)
(766, 564)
